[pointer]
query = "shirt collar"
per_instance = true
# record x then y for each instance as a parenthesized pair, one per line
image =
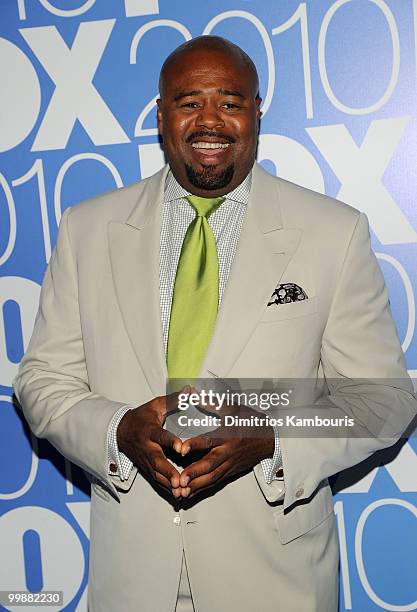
(174, 191)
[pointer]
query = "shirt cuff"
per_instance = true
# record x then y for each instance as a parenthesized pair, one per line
(271, 465)
(118, 463)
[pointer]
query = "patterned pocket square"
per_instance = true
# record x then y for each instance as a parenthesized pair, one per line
(287, 292)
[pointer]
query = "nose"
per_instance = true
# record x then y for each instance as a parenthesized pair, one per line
(209, 117)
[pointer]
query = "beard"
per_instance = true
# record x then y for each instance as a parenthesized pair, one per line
(208, 178)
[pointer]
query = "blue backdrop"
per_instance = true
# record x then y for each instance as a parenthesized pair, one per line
(77, 117)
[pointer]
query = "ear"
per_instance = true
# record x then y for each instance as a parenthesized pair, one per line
(258, 101)
(159, 115)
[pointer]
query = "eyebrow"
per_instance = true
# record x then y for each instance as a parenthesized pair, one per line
(185, 94)
(228, 92)
(197, 92)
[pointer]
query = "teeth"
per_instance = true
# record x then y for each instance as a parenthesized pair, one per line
(209, 145)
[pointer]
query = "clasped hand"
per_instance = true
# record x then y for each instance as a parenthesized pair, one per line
(227, 451)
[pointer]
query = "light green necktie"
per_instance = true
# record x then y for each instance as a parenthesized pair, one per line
(196, 294)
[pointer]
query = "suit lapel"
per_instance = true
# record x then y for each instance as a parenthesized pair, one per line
(263, 253)
(134, 254)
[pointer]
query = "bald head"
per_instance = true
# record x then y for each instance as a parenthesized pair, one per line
(211, 44)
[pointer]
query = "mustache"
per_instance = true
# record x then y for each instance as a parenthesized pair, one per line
(207, 134)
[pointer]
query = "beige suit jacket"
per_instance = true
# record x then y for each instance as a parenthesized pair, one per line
(97, 345)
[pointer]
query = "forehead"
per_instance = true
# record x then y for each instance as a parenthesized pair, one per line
(208, 69)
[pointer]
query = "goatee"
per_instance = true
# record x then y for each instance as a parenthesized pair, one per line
(208, 178)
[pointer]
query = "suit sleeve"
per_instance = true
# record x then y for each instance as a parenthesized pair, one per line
(364, 367)
(52, 382)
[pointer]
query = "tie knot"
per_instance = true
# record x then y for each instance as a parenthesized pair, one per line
(204, 206)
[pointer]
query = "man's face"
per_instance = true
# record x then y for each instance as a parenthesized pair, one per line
(208, 116)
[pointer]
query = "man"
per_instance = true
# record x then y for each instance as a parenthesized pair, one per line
(249, 523)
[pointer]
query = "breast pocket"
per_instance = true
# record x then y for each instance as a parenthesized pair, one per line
(291, 310)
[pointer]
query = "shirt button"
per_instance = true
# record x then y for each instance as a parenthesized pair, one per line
(177, 520)
(299, 493)
(113, 467)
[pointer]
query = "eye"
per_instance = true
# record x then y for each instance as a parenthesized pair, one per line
(230, 105)
(190, 105)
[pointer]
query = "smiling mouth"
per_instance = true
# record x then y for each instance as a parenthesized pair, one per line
(210, 145)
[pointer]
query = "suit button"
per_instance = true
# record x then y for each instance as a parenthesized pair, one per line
(177, 521)
(299, 493)
(113, 467)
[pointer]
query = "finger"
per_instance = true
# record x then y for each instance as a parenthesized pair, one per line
(163, 481)
(199, 443)
(204, 482)
(166, 439)
(159, 465)
(204, 466)
(172, 401)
